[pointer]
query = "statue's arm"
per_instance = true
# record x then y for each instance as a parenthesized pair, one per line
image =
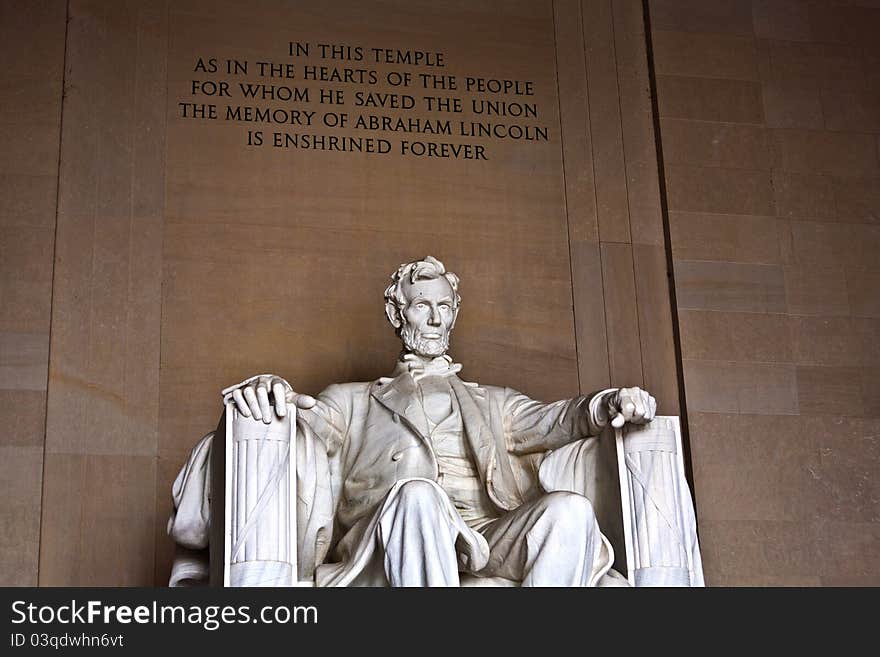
(330, 417)
(533, 426)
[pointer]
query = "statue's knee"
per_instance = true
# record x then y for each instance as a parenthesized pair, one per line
(572, 507)
(418, 493)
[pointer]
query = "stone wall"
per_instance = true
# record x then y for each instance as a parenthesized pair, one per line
(32, 51)
(770, 121)
(168, 237)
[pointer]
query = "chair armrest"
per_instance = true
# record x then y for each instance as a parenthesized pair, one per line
(658, 514)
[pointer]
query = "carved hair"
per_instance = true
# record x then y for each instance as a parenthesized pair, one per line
(419, 270)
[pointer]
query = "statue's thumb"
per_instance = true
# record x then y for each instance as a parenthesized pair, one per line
(305, 401)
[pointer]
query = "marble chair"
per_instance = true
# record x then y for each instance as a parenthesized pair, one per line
(276, 519)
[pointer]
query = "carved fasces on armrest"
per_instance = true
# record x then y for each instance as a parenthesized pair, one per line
(635, 478)
(269, 514)
(280, 513)
(659, 524)
(260, 515)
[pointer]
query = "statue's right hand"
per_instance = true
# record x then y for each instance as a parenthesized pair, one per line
(251, 397)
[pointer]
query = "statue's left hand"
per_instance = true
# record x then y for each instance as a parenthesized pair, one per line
(631, 405)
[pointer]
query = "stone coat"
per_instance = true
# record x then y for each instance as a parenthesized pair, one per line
(376, 434)
(360, 439)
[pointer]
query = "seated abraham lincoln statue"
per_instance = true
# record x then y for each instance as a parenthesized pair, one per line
(428, 477)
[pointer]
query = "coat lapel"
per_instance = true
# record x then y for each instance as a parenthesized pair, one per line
(401, 398)
(474, 416)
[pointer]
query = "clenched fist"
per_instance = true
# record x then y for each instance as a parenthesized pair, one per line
(251, 397)
(631, 405)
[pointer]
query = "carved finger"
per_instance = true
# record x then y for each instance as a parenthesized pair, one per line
(240, 403)
(653, 408)
(265, 406)
(278, 393)
(640, 407)
(254, 405)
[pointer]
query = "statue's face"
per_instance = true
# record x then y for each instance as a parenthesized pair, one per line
(428, 317)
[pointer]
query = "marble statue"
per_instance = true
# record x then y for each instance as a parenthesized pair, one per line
(419, 478)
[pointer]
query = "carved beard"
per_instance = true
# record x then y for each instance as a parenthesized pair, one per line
(414, 343)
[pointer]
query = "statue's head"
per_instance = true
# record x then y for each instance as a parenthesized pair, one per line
(422, 303)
